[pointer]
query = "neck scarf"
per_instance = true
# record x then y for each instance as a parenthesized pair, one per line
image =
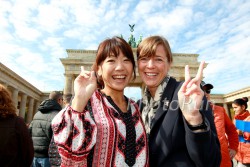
(151, 104)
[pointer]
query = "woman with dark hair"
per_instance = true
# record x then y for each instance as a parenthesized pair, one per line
(16, 147)
(102, 127)
(242, 116)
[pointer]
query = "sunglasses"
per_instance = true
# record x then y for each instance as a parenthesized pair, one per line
(208, 91)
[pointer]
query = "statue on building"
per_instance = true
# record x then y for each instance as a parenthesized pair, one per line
(131, 27)
(131, 39)
(139, 41)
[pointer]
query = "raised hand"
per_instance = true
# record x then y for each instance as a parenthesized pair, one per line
(190, 96)
(84, 86)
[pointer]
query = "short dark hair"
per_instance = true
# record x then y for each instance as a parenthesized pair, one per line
(67, 97)
(55, 95)
(241, 102)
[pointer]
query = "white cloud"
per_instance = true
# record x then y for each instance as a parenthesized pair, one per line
(53, 45)
(84, 13)
(4, 8)
(50, 17)
(35, 34)
(20, 16)
(188, 2)
(143, 8)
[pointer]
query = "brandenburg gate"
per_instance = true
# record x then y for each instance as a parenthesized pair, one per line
(77, 58)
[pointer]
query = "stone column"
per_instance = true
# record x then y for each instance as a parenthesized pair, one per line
(36, 107)
(30, 110)
(68, 83)
(15, 96)
(23, 105)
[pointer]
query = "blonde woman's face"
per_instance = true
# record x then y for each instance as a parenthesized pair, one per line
(154, 69)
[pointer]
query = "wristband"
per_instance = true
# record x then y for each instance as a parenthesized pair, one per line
(198, 127)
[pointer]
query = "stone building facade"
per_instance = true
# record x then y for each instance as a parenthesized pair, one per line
(77, 58)
(27, 97)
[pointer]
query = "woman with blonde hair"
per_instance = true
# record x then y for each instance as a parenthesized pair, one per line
(180, 128)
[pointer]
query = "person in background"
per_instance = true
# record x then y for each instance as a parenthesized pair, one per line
(67, 99)
(226, 129)
(41, 130)
(16, 147)
(241, 113)
(54, 156)
(181, 131)
(102, 127)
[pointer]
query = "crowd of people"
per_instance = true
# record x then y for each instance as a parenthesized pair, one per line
(174, 124)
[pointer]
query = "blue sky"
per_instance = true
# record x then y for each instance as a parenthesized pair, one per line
(35, 34)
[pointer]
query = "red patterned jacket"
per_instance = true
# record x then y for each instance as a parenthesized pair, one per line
(97, 136)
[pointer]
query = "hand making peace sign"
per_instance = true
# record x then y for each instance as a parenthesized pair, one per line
(190, 96)
(84, 86)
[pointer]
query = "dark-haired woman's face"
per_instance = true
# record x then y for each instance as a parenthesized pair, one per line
(238, 109)
(116, 72)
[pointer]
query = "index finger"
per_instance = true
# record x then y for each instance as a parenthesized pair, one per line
(199, 74)
(187, 74)
(82, 68)
(84, 72)
(187, 79)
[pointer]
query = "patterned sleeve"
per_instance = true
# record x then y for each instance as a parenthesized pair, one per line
(75, 136)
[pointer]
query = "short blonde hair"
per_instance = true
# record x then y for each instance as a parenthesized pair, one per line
(147, 47)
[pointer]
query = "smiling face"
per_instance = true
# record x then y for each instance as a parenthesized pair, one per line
(238, 109)
(116, 72)
(113, 64)
(154, 68)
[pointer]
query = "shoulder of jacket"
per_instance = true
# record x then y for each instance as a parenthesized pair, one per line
(53, 113)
